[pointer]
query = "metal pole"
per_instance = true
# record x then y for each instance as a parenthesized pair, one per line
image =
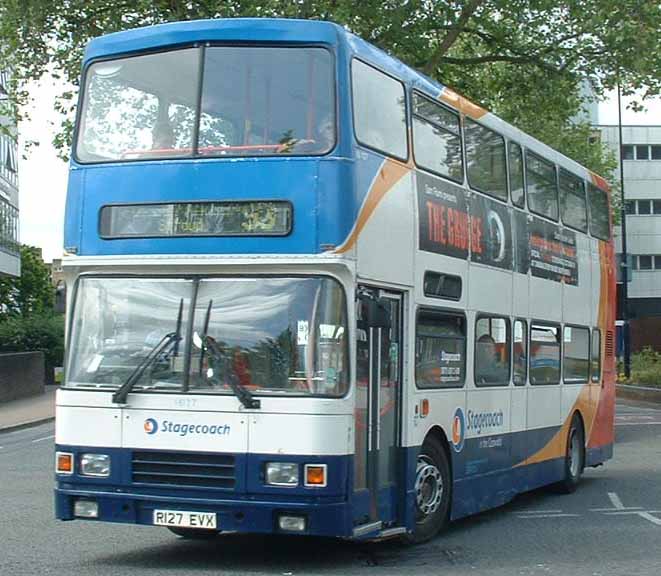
(624, 263)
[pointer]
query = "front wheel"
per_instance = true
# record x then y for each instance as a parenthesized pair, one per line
(433, 489)
(574, 456)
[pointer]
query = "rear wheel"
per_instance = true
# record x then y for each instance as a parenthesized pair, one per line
(574, 456)
(432, 491)
(194, 533)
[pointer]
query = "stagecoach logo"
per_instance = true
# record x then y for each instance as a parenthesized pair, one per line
(458, 430)
(151, 426)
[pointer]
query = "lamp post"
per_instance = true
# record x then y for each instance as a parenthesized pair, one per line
(624, 275)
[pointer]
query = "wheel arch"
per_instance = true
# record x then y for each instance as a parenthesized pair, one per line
(438, 434)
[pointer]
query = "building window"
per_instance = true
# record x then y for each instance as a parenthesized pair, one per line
(520, 359)
(657, 262)
(440, 350)
(576, 354)
(492, 351)
(485, 160)
(544, 354)
(642, 152)
(437, 139)
(627, 152)
(595, 355)
(379, 110)
(644, 207)
(656, 151)
(656, 206)
(644, 262)
(630, 206)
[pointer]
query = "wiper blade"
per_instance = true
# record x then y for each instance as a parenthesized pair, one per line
(244, 396)
(119, 397)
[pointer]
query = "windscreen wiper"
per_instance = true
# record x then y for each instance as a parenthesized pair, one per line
(244, 396)
(119, 397)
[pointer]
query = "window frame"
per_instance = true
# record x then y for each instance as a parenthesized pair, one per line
(566, 173)
(460, 134)
(441, 312)
(438, 296)
(564, 348)
(509, 145)
(505, 158)
(543, 160)
(544, 323)
(599, 366)
(500, 384)
(353, 109)
(525, 340)
(598, 190)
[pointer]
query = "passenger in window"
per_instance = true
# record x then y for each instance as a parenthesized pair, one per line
(489, 367)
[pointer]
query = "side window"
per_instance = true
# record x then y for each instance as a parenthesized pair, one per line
(599, 221)
(440, 350)
(492, 351)
(520, 359)
(379, 110)
(485, 160)
(541, 186)
(572, 201)
(447, 286)
(436, 138)
(516, 174)
(544, 354)
(576, 354)
(595, 356)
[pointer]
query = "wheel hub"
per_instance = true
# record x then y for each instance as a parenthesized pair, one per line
(428, 486)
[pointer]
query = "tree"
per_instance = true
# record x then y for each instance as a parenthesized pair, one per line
(523, 59)
(31, 293)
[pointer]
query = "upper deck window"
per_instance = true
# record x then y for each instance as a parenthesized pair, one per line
(485, 159)
(254, 101)
(379, 110)
(599, 217)
(572, 201)
(542, 186)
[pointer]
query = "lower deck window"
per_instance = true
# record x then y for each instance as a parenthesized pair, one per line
(440, 351)
(576, 354)
(544, 354)
(492, 351)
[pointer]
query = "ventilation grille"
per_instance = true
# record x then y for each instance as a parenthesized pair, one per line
(610, 347)
(184, 469)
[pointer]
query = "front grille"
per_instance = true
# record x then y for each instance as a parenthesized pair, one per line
(610, 347)
(186, 469)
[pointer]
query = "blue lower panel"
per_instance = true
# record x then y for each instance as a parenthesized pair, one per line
(323, 519)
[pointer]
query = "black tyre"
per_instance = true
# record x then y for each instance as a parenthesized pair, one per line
(574, 456)
(194, 533)
(433, 491)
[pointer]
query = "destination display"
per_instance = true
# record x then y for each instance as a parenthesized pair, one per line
(460, 224)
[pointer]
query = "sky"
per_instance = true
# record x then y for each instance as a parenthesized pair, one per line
(43, 176)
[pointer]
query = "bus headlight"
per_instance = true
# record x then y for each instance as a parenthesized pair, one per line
(281, 473)
(95, 465)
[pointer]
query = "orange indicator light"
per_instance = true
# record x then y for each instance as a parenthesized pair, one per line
(425, 408)
(315, 475)
(64, 463)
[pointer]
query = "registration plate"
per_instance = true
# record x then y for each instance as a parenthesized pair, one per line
(183, 519)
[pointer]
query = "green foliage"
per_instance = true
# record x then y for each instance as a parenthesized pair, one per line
(43, 332)
(32, 292)
(524, 59)
(645, 368)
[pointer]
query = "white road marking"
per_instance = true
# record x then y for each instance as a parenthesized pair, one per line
(44, 438)
(651, 518)
(612, 510)
(637, 423)
(615, 499)
(561, 515)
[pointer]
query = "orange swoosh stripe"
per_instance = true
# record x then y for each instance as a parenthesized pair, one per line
(391, 172)
(599, 182)
(462, 104)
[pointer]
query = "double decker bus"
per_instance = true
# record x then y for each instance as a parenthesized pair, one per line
(312, 291)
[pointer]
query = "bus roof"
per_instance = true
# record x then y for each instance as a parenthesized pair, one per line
(317, 31)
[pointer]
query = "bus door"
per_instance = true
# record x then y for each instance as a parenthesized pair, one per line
(378, 397)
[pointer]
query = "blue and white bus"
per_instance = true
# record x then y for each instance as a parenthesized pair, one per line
(312, 291)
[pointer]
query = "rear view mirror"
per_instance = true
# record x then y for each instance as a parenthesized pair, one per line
(375, 311)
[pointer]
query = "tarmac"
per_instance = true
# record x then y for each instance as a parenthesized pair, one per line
(28, 411)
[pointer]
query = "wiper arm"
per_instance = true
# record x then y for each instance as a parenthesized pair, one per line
(119, 397)
(244, 396)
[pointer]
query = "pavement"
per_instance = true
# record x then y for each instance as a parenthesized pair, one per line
(28, 411)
